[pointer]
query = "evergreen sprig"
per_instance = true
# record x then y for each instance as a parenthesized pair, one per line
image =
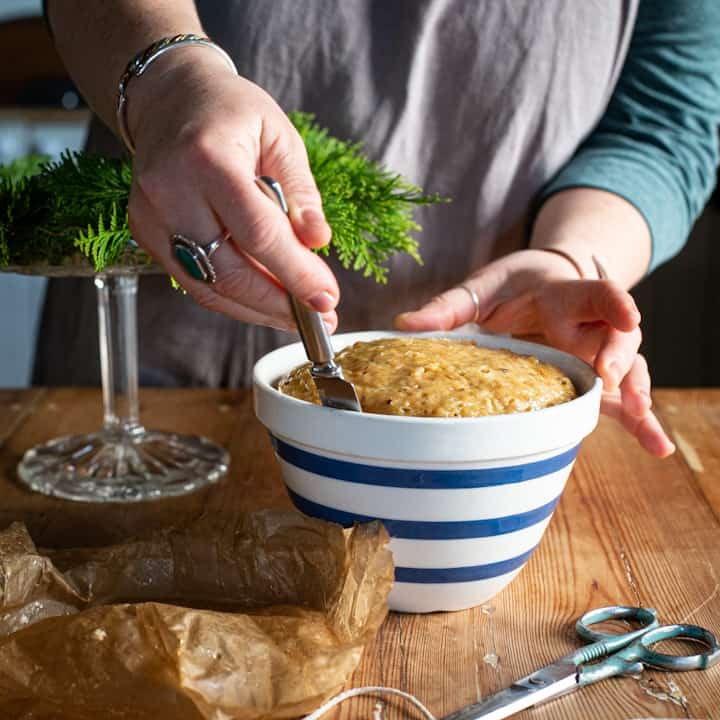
(51, 212)
(104, 245)
(368, 208)
(22, 167)
(77, 204)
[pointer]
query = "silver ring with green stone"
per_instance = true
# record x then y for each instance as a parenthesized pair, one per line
(195, 258)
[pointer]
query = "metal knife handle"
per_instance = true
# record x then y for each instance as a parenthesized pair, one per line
(313, 333)
(310, 324)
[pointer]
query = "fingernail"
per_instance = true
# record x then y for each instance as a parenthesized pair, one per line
(312, 216)
(285, 327)
(322, 302)
(399, 320)
(312, 227)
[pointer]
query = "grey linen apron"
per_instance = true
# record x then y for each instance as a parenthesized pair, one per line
(482, 101)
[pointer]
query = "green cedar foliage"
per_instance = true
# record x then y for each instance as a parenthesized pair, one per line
(368, 208)
(78, 204)
(51, 212)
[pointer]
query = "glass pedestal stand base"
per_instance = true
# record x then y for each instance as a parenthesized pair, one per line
(122, 462)
(124, 466)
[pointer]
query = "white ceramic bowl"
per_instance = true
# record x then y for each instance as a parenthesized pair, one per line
(465, 500)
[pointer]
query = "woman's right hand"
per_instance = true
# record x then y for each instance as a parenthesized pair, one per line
(202, 135)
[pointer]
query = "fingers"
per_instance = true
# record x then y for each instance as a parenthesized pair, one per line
(456, 306)
(631, 403)
(599, 321)
(617, 358)
(593, 319)
(242, 291)
(257, 226)
(650, 435)
(453, 308)
(635, 389)
(581, 317)
(636, 403)
(632, 397)
(194, 174)
(286, 161)
(647, 429)
(309, 224)
(517, 316)
(572, 313)
(601, 325)
(577, 302)
(590, 300)
(260, 228)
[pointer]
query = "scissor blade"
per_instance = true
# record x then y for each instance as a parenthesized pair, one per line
(544, 684)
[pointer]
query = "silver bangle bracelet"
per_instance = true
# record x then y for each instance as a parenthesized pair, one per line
(142, 61)
(601, 272)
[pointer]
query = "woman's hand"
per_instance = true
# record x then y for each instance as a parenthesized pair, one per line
(537, 293)
(202, 135)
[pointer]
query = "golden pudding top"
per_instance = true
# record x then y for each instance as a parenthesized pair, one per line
(438, 377)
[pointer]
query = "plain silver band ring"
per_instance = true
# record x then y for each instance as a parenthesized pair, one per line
(475, 299)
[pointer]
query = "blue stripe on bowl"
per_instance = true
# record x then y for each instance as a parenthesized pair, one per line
(426, 530)
(419, 478)
(461, 574)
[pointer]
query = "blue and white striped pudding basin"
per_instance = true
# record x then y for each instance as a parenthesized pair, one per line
(458, 536)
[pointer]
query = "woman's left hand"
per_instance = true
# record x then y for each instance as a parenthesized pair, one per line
(538, 293)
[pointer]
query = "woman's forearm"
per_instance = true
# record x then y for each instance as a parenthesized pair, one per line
(584, 222)
(96, 40)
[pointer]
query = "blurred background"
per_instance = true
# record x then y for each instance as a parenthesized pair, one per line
(40, 111)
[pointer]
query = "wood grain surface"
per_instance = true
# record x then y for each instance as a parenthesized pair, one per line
(629, 529)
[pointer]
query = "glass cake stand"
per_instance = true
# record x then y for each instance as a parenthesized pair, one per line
(123, 461)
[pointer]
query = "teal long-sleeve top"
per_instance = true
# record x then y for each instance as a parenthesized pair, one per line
(657, 143)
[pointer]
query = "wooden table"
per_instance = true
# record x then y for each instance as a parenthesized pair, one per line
(629, 529)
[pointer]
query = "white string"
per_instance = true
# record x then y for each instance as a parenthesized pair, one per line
(369, 690)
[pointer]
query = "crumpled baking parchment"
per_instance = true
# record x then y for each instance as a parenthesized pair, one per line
(262, 616)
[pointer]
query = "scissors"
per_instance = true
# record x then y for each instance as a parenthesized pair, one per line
(625, 654)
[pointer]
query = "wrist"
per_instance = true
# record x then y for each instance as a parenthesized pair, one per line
(178, 73)
(597, 229)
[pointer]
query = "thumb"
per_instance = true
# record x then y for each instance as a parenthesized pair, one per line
(472, 301)
(286, 160)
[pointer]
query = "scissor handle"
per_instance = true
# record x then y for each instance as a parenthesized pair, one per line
(612, 642)
(633, 658)
(643, 651)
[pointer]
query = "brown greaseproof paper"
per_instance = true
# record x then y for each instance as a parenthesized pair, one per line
(264, 616)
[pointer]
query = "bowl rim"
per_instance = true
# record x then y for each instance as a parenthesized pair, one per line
(342, 340)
